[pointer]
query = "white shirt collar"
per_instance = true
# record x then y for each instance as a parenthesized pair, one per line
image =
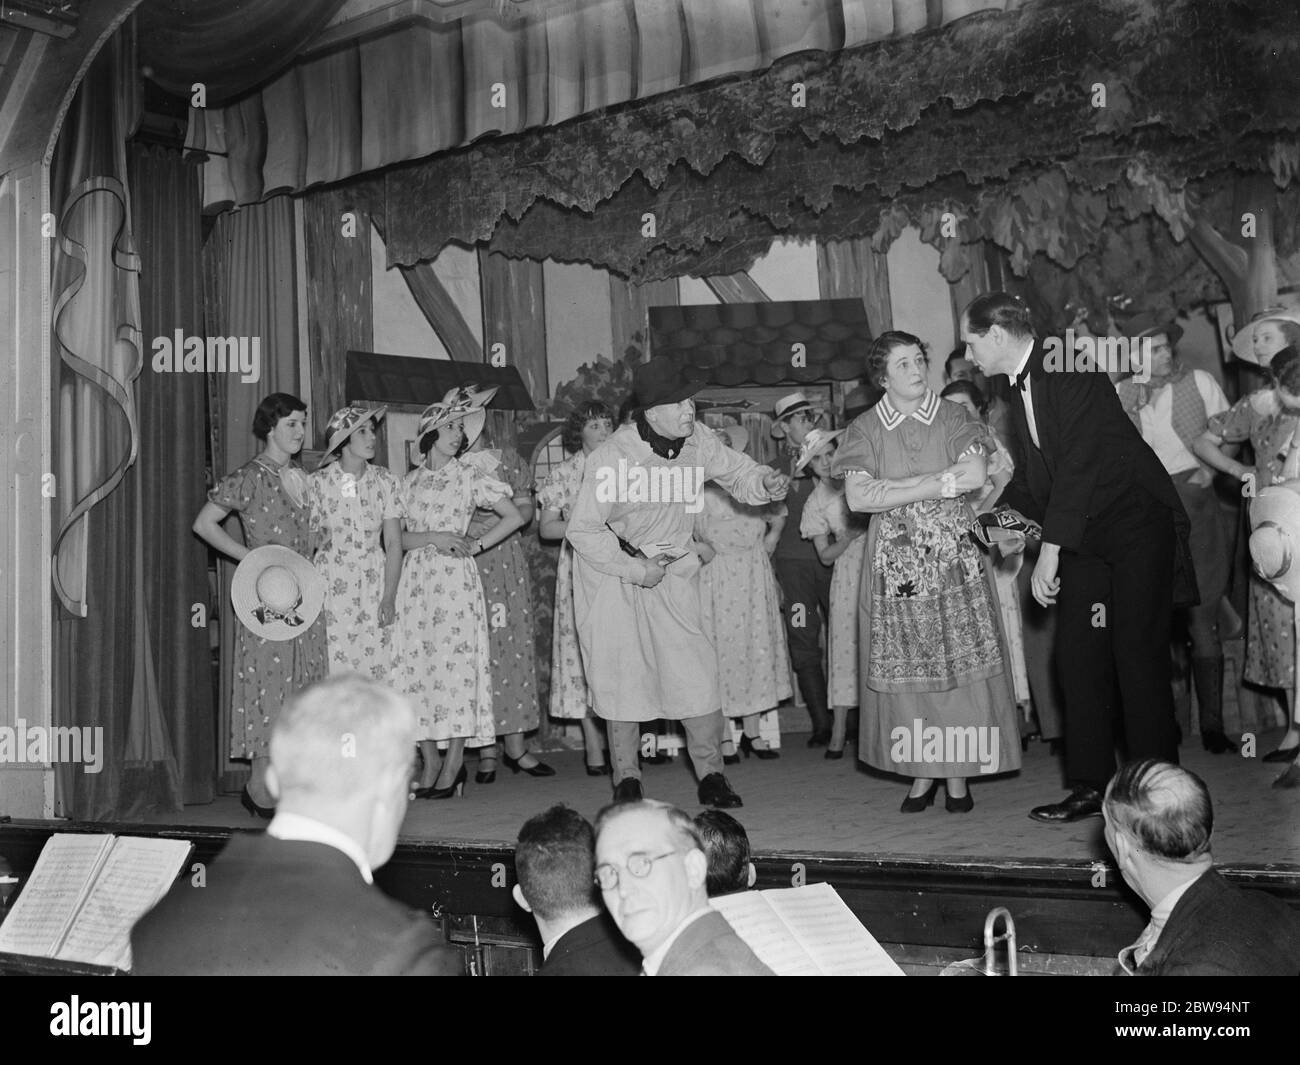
(1024, 361)
(891, 417)
(650, 966)
(301, 829)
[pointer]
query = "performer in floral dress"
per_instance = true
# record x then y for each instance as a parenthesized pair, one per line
(585, 430)
(269, 495)
(356, 511)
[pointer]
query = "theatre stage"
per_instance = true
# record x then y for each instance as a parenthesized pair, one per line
(803, 803)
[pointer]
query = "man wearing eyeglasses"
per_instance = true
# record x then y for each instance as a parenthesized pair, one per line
(651, 872)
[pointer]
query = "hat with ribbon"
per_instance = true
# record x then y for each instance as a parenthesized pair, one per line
(464, 404)
(342, 424)
(1243, 340)
(1149, 324)
(791, 404)
(277, 593)
(735, 437)
(817, 441)
(660, 382)
(1275, 539)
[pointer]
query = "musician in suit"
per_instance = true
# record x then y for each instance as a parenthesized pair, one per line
(554, 863)
(1159, 819)
(1114, 555)
(299, 899)
(651, 871)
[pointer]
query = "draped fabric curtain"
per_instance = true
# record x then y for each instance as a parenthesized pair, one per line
(339, 296)
(249, 269)
(849, 269)
(172, 412)
(104, 680)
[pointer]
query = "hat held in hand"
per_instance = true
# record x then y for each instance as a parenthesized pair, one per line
(1274, 537)
(277, 593)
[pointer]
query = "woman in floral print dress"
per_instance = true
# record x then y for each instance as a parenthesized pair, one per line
(446, 651)
(353, 503)
(933, 659)
(586, 429)
(269, 495)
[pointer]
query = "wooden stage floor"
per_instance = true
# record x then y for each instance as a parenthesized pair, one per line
(805, 803)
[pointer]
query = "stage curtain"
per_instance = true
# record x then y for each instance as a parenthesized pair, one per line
(249, 278)
(339, 296)
(103, 656)
(228, 47)
(851, 268)
(173, 410)
(514, 315)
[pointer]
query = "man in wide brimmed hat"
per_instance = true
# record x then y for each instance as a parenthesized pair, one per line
(636, 584)
(1171, 410)
(805, 582)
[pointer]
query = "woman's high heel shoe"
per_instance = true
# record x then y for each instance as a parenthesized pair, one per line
(833, 755)
(246, 801)
(485, 776)
(541, 769)
(457, 788)
(747, 748)
(1282, 754)
(961, 805)
(914, 805)
(598, 770)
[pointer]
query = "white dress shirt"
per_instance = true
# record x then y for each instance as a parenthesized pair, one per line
(1025, 392)
(1141, 950)
(309, 830)
(1158, 427)
(650, 967)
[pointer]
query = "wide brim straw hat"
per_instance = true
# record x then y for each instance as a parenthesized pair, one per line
(295, 588)
(342, 424)
(1243, 340)
(817, 441)
(736, 437)
(464, 404)
(1275, 539)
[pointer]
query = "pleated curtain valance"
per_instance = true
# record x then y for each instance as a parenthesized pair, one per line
(425, 86)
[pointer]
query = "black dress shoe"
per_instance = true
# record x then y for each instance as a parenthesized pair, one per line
(1214, 741)
(1282, 754)
(716, 792)
(833, 755)
(820, 738)
(541, 769)
(914, 804)
(601, 770)
(628, 790)
(963, 805)
(1080, 803)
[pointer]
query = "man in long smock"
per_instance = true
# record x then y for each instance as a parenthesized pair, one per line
(636, 585)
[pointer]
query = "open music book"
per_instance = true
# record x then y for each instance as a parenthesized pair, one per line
(805, 931)
(86, 893)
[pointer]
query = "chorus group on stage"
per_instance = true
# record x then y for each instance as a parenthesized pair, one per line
(850, 572)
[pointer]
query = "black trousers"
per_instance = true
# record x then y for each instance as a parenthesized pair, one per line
(1112, 641)
(806, 589)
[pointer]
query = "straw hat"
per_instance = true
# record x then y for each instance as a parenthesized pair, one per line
(817, 441)
(736, 437)
(464, 404)
(1243, 340)
(277, 593)
(342, 424)
(1275, 539)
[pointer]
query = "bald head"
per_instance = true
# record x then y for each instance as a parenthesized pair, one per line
(1163, 808)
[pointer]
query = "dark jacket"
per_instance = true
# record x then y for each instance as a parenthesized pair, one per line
(1217, 929)
(1091, 459)
(594, 948)
(710, 947)
(272, 907)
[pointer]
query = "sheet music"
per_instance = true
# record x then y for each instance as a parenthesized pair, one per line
(136, 875)
(830, 933)
(53, 892)
(754, 920)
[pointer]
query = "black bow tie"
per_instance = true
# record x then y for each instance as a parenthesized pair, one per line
(1022, 377)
